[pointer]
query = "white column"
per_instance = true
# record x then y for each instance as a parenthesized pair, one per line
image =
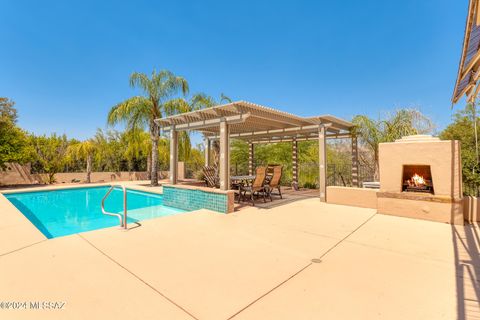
(322, 161)
(173, 155)
(224, 156)
(207, 152)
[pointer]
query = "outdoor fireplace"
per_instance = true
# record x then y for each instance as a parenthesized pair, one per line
(421, 177)
(417, 178)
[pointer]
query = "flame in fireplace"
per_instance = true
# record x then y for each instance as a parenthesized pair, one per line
(418, 180)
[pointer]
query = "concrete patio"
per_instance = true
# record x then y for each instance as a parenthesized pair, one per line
(301, 260)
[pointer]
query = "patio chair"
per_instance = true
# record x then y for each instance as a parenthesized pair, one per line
(210, 176)
(257, 186)
(270, 168)
(274, 182)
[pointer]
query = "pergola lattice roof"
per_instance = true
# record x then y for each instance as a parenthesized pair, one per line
(256, 123)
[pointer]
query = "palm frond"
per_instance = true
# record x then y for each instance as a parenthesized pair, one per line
(169, 84)
(134, 112)
(176, 106)
(224, 98)
(141, 80)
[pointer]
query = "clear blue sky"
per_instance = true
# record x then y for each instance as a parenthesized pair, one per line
(66, 63)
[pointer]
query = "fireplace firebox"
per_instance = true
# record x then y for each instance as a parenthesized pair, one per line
(417, 178)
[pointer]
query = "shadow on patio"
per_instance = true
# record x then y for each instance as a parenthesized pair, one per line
(466, 245)
(289, 195)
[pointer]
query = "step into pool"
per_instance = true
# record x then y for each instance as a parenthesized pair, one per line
(63, 212)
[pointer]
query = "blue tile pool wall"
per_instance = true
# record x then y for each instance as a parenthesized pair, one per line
(191, 199)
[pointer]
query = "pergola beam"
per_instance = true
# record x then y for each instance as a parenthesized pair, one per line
(282, 120)
(209, 123)
(313, 136)
(286, 133)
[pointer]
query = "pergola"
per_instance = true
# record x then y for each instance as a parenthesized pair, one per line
(257, 124)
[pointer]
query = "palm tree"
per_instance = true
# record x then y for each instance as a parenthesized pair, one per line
(141, 111)
(138, 144)
(83, 151)
(403, 122)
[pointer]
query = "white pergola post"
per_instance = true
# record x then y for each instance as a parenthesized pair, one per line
(322, 162)
(294, 163)
(207, 152)
(224, 156)
(355, 182)
(173, 156)
(251, 155)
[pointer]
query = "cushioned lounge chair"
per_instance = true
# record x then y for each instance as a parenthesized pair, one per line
(257, 187)
(274, 182)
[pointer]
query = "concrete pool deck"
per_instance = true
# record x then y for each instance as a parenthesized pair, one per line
(301, 260)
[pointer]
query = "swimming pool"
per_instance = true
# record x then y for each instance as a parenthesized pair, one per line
(63, 212)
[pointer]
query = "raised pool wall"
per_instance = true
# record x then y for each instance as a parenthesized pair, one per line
(348, 196)
(196, 198)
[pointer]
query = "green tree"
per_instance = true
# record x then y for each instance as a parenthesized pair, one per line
(402, 122)
(463, 129)
(51, 154)
(84, 151)
(111, 150)
(139, 146)
(141, 111)
(14, 144)
(7, 110)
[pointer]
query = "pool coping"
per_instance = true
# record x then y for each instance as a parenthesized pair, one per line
(31, 235)
(19, 232)
(74, 186)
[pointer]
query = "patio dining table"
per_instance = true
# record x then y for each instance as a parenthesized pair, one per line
(245, 178)
(238, 181)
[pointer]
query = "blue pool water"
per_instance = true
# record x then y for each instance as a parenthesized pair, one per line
(67, 211)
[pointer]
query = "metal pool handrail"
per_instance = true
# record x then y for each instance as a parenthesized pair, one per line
(123, 220)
